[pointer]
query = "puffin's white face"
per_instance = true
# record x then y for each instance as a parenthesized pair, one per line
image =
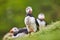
(41, 16)
(15, 29)
(28, 10)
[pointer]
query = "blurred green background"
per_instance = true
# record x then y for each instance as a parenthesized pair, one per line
(12, 12)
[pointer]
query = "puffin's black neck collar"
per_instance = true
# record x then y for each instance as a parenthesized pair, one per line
(29, 15)
(41, 19)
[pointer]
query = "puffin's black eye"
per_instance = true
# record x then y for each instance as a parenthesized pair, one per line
(14, 29)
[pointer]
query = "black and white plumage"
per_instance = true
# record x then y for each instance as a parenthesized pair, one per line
(41, 21)
(30, 20)
(15, 32)
(21, 30)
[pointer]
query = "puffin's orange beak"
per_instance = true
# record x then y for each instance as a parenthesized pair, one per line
(11, 31)
(30, 11)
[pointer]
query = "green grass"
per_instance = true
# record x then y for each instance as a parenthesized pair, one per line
(51, 32)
